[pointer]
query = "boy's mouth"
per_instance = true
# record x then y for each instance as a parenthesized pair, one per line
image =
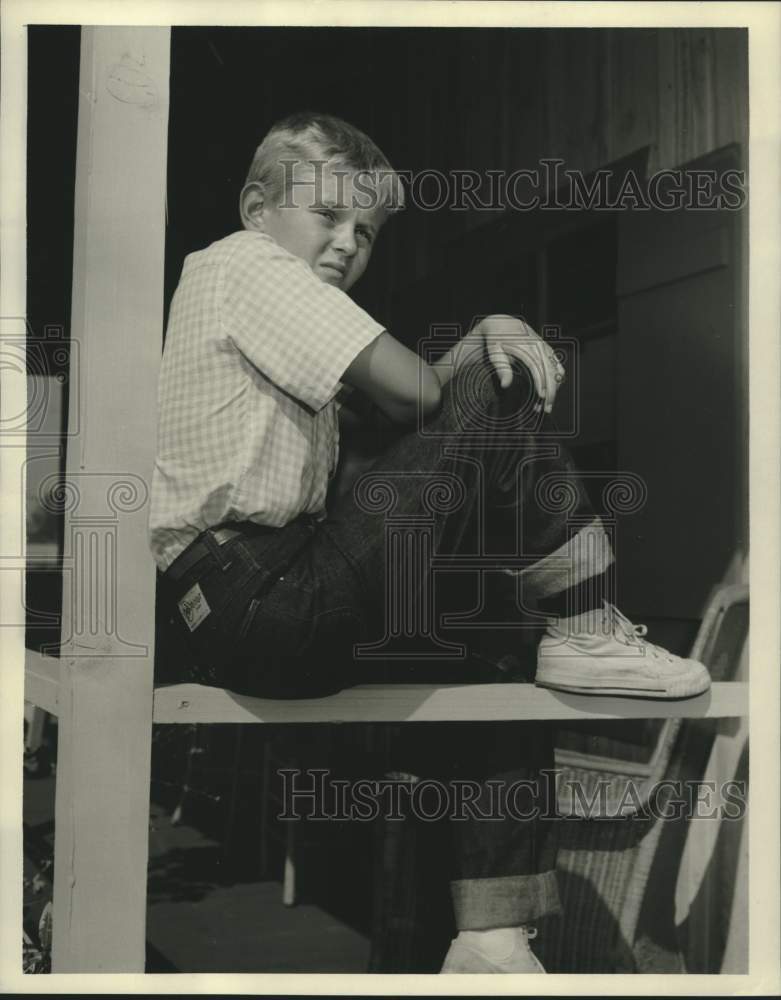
(339, 269)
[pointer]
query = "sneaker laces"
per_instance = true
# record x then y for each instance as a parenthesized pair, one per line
(633, 634)
(529, 934)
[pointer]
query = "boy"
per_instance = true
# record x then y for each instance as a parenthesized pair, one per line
(273, 590)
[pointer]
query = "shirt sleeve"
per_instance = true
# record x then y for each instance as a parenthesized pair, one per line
(301, 333)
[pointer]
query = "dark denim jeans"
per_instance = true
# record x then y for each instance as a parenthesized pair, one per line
(311, 608)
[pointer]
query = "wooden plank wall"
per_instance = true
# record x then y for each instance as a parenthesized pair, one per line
(489, 99)
(590, 98)
(607, 94)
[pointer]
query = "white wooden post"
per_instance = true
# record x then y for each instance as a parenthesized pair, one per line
(106, 673)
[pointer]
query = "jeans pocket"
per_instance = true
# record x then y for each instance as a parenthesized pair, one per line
(222, 596)
(248, 618)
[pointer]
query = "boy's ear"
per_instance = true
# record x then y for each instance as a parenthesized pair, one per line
(252, 202)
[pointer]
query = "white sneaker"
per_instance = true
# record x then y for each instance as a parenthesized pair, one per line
(467, 954)
(602, 652)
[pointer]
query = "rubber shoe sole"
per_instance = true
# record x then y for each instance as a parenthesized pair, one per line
(582, 676)
(461, 960)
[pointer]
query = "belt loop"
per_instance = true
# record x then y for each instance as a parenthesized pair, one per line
(216, 550)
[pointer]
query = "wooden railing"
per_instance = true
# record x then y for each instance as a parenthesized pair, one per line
(189, 703)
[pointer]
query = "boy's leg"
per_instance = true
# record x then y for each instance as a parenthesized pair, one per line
(497, 781)
(485, 477)
(500, 477)
(503, 854)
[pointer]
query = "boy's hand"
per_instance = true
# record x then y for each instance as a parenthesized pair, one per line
(506, 339)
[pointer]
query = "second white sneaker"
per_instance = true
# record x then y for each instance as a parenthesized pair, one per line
(505, 950)
(602, 652)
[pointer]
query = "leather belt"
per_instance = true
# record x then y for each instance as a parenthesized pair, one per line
(198, 550)
(223, 535)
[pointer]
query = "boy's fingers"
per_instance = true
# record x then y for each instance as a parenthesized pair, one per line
(554, 373)
(545, 382)
(558, 374)
(530, 358)
(501, 364)
(546, 369)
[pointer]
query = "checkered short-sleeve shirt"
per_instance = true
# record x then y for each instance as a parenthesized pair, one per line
(255, 350)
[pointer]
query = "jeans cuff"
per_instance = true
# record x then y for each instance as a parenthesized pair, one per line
(586, 554)
(507, 901)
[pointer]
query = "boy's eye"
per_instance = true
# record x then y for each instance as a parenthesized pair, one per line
(366, 234)
(327, 213)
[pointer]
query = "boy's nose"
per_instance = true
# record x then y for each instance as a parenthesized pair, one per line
(344, 240)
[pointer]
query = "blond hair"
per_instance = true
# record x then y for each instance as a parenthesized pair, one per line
(309, 136)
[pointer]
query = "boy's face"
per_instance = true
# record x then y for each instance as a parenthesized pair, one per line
(320, 220)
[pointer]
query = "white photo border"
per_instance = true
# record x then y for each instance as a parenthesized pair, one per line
(763, 21)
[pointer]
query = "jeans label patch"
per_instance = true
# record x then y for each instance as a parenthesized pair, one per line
(193, 607)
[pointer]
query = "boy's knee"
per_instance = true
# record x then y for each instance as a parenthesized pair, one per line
(475, 400)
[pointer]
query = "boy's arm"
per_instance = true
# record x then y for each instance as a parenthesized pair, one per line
(363, 427)
(403, 385)
(357, 411)
(396, 380)
(365, 433)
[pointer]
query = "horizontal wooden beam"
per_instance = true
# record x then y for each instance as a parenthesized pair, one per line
(403, 702)
(428, 703)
